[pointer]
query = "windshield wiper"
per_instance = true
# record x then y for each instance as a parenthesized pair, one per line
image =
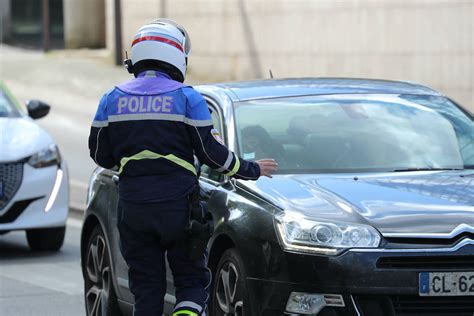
(426, 169)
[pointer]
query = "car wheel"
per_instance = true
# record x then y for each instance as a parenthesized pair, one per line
(100, 297)
(229, 294)
(46, 239)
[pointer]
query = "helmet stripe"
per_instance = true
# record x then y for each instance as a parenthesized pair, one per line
(154, 33)
(158, 39)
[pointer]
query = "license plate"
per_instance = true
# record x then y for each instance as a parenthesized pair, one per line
(446, 283)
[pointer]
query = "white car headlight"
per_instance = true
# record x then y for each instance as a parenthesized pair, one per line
(45, 158)
(298, 233)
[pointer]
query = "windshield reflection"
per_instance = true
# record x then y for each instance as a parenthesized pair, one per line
(356, 133)
(7, 109)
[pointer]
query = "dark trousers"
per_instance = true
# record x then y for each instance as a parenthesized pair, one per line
(148, 232)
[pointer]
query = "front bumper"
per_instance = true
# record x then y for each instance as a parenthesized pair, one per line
(375, 282)
(42, 200)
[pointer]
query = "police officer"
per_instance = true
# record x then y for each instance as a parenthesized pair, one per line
(148, 129)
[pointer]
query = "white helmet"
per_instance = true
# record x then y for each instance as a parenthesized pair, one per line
(162, 40)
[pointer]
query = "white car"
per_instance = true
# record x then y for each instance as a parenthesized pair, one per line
(34, 186)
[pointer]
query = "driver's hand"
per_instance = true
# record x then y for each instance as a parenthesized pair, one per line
(267, 167)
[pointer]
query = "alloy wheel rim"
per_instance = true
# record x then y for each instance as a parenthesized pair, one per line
(98, 274)
(228, 295)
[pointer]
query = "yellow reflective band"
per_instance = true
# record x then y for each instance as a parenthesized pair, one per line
(236, 167)
(147, 154)
(184, 312)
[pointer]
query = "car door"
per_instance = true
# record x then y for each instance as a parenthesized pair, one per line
(209, 180)
(121, 267)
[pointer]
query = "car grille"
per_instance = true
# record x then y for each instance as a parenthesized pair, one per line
(427, 262)
(414, 243)
(414, 305)
(11, 174)
(16, 210)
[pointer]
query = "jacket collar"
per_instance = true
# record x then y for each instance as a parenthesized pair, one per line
(153, 74)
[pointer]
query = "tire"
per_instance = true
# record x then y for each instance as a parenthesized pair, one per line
(99, 292)
(46, 239)
(230, 275)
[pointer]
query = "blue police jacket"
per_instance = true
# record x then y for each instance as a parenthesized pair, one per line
(148, 129)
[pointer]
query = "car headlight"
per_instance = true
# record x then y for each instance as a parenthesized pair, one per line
(45, 158)
(298, 233)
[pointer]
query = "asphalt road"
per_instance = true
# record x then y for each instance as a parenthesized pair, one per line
(41, 283)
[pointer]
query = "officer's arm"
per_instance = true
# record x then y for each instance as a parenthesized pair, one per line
(99, 144)
(205, 141)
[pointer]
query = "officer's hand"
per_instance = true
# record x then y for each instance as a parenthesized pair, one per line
(267, 167)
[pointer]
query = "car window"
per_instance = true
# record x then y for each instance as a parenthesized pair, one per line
(216, 120)
(7, 107)
(349, 133)
(206, 171)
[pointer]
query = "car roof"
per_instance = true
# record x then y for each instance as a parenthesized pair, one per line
(278, 88)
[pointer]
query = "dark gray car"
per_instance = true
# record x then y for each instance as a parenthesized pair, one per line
(371, 212)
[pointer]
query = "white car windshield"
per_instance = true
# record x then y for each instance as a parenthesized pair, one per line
(7, 108)
(356, 133)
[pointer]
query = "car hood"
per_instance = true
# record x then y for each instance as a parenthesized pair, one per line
(20, 137)
(411, 203)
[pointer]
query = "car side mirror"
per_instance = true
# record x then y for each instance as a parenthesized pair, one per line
(37, 109)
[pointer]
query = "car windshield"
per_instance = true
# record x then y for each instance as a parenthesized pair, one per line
(356, 133)
(7, 108)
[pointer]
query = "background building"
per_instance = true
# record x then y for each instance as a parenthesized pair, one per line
(427, 41)
(72, 23)
(22, 22)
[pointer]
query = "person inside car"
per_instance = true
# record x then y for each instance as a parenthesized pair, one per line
(257, 144)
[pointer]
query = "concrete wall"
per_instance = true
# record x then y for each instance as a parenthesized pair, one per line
(5, 20)
(109, 26)
(84, 23)
(427, 41)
